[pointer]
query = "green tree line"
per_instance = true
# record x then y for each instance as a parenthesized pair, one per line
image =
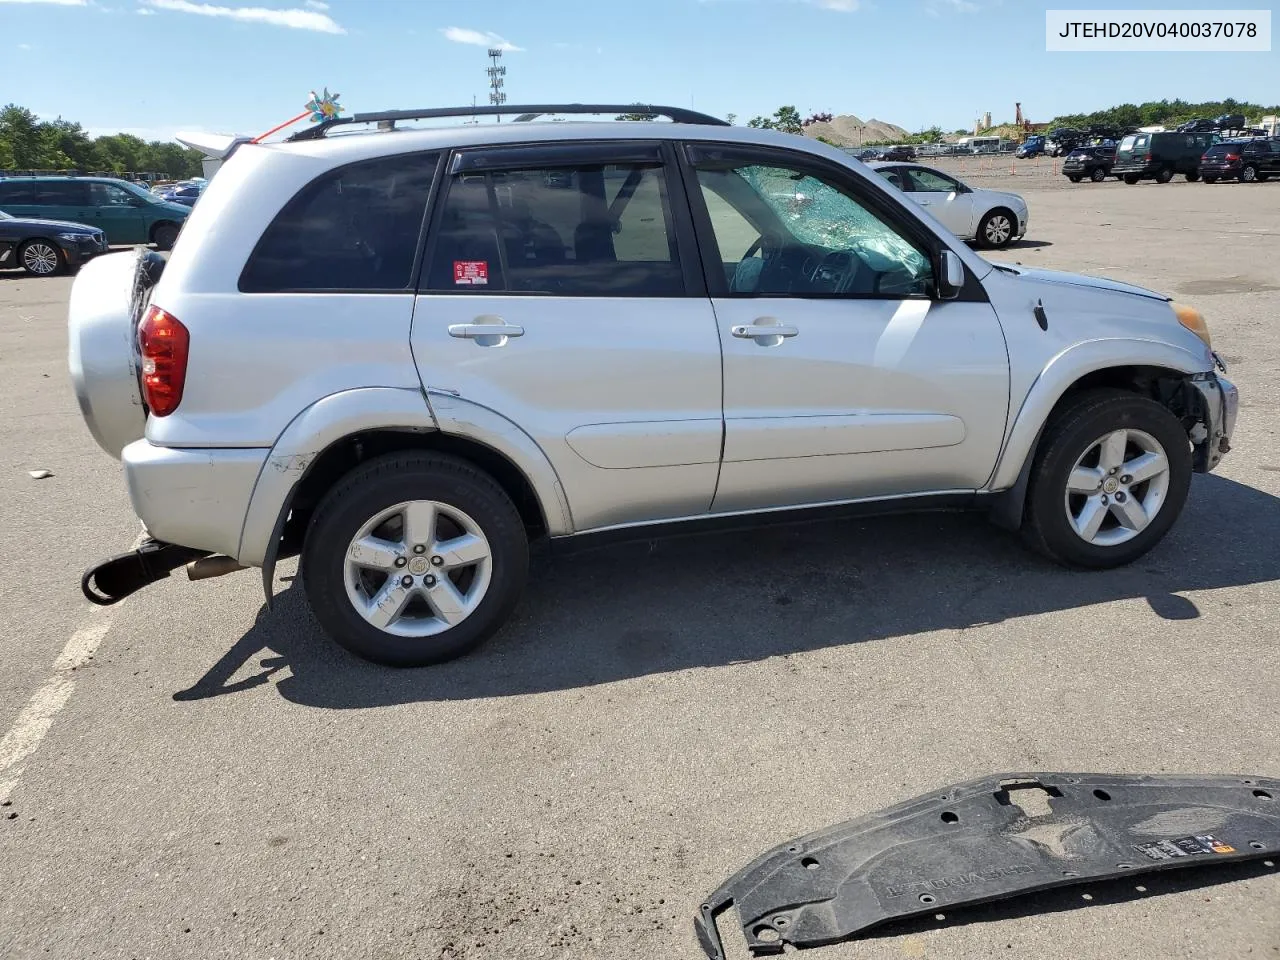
(1162, 112)
(29, 143)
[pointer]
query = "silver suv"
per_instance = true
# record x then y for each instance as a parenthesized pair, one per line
(405, 354)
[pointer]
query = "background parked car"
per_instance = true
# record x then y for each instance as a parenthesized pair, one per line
(990, 217)
(1198, 125)
(1095, 163)
(184, 193)
(898, 154)
(126, 213)
(1031, 147)
(1230, 121)
(1249, 161)
(46, 247)
(1158, 156)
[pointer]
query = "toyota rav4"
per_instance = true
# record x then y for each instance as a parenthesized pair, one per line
(405, 355)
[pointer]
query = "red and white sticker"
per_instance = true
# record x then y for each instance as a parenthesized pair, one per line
(474, 273)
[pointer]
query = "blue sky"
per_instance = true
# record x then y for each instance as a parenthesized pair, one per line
(156, 66)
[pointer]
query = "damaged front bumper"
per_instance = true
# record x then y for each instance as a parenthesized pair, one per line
(1219, 403)
(985, 840)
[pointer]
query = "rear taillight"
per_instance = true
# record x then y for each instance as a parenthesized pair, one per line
(1233, 157)
(1147, 158)
(164, 343)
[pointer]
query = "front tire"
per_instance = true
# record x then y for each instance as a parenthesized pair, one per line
(1109, 480)
(1192, 177)
(1131, 178)
(1074, 178)
(413, 559)
(42, 258)
(1210, 179)
(1249, 174)
(1164, 176)
(164, 236)
(1098, 175)
(997, 229)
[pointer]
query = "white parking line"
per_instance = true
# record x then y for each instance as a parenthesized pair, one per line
(35, 719)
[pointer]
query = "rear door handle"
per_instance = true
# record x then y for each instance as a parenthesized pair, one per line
(766, 332)
(493, 333)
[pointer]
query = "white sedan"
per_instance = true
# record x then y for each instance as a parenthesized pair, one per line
(990, 217)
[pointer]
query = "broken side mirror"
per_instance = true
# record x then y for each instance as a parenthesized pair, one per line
(950, 276)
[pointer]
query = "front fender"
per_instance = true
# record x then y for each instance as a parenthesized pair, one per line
(1063, 370)
(309, 434)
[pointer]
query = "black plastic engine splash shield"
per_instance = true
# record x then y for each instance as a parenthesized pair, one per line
(973, 843)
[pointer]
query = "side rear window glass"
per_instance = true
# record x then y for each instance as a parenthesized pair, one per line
(591, 230)
(16, 192)
(61, 193)
(353, 229)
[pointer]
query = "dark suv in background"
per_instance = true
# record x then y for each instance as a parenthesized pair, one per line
(1092, 162)
(1158, 156)
(1249, 161)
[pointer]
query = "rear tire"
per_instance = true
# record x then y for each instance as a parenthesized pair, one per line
(164, 236)
(1098, 175)
(451, 604)
(42, 258)
(1055, 512)
(1192, 177)
(1131, 178)
(1164, 176)
(1210, 179)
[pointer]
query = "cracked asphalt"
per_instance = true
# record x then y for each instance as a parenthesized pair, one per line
(218, 780)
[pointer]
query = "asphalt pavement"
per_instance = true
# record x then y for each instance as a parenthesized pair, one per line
(191, 775)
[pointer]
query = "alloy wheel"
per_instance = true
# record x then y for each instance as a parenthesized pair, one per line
(418, 568)
(998, 230)
(1117, 486)
(40, 258)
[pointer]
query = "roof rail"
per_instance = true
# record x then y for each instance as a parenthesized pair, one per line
(387, 119)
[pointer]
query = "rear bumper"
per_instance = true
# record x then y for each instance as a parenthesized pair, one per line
(1220, 170)
(194, 498)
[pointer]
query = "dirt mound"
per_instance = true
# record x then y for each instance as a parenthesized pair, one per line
(849, 131)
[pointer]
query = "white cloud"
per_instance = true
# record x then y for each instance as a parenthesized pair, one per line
(953, 6)
(479, 38)
(144, 12)
(843, 6)
(24, 46)
(317, 4)
(293, 18)
(56, 3)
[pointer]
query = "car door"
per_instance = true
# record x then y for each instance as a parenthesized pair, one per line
(117, 212)
(562, 291)
(945, 197)
(844, 377)
(61, 200)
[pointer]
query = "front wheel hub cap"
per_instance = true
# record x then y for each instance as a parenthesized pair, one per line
(1117, 487)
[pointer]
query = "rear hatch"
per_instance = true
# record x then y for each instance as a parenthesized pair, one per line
(108, 299)
(1221, 154)
(1133, 150)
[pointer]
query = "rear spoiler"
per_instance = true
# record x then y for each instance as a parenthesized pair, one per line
(215, 146)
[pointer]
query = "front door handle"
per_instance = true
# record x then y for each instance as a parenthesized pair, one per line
(926, 203)
(487, 332)
(766, 332)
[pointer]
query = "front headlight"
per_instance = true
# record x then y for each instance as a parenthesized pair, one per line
(1193, 320)
(73, 237)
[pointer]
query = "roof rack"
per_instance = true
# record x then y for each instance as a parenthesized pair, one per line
(387, 119)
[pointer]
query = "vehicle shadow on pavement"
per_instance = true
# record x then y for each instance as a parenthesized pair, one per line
(632, 610)
(1081, 896)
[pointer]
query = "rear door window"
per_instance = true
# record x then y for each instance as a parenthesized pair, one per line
(355, 229)
(585, 230)
(15, 192)
(61, 193)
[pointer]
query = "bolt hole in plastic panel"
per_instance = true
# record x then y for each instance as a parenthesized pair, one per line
(985, 840)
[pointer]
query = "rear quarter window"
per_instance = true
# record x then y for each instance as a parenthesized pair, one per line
(354, 229)
(15, 193)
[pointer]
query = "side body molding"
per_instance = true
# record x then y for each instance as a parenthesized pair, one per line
(1061, 372)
